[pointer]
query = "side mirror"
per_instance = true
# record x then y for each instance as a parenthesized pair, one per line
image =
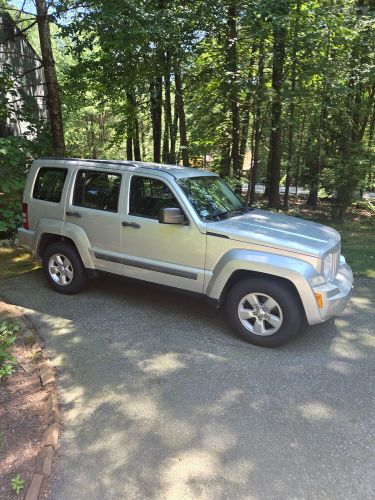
(171, 216)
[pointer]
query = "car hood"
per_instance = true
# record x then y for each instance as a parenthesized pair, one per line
(261, 227)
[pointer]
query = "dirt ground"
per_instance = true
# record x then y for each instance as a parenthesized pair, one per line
(23, 419)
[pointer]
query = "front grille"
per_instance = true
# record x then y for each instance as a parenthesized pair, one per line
(335, 261)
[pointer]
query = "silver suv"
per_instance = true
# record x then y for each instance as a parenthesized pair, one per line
(184, 228)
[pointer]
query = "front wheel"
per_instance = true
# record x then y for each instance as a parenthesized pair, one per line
(264, 312)
(63, 268)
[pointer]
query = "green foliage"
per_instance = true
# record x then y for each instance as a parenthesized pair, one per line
(7, 339)
(16, 152)
(358, 245)
(17, 484)
(110, 56)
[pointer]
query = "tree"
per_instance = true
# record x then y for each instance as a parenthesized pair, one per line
(53, 94)
(279, 42)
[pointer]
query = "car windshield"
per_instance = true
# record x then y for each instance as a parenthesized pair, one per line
(211, 197)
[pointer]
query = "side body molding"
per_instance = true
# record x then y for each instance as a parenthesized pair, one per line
(295, 270)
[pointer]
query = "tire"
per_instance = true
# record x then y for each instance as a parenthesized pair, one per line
(270, 311)
(70, 276)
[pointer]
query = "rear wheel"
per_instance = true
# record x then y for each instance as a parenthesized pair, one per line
(265, 313)
(63, 268)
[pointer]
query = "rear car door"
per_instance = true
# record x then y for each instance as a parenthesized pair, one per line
(93, 208)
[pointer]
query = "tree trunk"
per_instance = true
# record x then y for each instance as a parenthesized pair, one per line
(167, 110)
(181, 115)
(244, 133)
(298, 159)
(369, 107)
(137, 145)
(247, 199)
(53, 97)
(257, 122)
(225, 159)
(233, 86)
(174, 129)
(156, 116)
(129, 145)
(142, 139)
(316, 167)
(245, 121)
(279, 41)
(370, 143)
(132, 133)
(293, 79)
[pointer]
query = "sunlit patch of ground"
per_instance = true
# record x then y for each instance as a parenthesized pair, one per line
(15, 261)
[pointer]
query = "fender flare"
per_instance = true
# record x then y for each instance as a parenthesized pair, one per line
(68, 230)
(297, 271)
(81, 241)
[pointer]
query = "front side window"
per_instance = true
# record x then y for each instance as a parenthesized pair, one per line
(211, 197)
(97, 190)
(148, 196)
(49, 184)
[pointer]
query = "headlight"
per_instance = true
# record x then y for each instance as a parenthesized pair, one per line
(327, 267)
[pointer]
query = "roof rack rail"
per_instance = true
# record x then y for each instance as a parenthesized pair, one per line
(88, 160)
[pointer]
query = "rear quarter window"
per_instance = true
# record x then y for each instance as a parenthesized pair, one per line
(97, 190)
(49, 184)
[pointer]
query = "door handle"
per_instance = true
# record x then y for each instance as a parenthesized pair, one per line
(73, 214)
(134, 225)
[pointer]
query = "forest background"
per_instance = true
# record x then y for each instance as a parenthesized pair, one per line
(279, 92)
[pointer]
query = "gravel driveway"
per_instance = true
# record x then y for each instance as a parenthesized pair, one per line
(161, 401)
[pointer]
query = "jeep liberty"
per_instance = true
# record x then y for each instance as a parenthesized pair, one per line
(186, 229)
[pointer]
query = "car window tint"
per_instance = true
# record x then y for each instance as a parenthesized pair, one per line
(148, 196)
(97, 190)
(49, 184)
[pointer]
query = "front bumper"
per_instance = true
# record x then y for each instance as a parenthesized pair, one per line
(335, 294)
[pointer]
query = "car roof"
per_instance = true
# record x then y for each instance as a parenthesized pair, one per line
(176, 171)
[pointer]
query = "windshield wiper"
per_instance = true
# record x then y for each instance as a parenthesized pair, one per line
(230, 213)
(240, 211)
(246, 208)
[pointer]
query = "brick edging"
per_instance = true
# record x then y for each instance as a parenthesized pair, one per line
(43, 466)
(46, 372)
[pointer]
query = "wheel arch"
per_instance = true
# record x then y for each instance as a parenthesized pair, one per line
(243, 274)
(240, 264)
(72, 234)
(47, 239)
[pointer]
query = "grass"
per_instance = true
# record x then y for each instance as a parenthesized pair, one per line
(357, 233)
(15, 261)
(358, 245)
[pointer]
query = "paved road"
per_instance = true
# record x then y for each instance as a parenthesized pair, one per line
(259, 188)
(162, 402)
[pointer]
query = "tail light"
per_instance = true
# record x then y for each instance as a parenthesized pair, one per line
(25, 216)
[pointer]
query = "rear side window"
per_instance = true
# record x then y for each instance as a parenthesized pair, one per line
(97, 190)
(49, 184)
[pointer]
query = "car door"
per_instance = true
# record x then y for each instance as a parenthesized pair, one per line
(93, 209)
(169, 254)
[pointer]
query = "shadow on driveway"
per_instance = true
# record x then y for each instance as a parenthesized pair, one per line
(162, 401)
